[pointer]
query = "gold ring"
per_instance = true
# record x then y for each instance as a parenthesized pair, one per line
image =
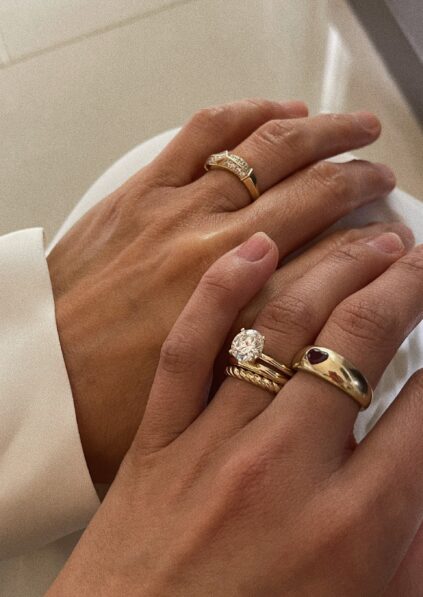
(264, 371)
(247, 349)
(335, 369)
(236, 165)
(253, 378)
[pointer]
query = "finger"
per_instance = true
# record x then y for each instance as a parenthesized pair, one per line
(182, 379)
(214, 129)
(385, 471)
(295, 318)
(314, 199)
(279, 148)
(296, 268)
(367, 328)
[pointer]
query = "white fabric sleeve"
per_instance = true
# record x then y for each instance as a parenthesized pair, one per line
(45, 487)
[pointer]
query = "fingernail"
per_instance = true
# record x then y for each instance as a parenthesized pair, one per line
(405, 233)
(389, 242)
(368, 121)
(387, 173)
(255, 248)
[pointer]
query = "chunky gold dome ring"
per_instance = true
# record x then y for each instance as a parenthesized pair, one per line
(236, 165)
(336, 370)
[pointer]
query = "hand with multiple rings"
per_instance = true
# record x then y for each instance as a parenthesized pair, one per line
(264, 494)
(124, 272)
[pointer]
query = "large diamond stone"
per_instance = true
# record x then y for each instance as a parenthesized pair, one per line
(247, 346)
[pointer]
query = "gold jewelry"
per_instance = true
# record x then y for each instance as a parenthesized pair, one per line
(335, 369)
(253, 378)
(264, 371)
(247, 347)
(284, 369)
(235, 164)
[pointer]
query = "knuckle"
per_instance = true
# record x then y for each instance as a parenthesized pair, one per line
(288, 315)
(277, 132)
(343, 125)
(217, 285)
(413, 263)
(368, 321)
(211, 116)
(332, 177)
(346, 253)
(260, 103)
(176, 353)
(341, 237)
(242, 473)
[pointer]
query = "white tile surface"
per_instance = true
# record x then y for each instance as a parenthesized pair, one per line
(68, 113)
(33, 25)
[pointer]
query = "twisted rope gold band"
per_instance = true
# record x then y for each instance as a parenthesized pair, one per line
(253, 378)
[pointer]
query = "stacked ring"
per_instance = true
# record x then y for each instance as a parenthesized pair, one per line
(251, 364)
(247, 352)
(253, 378)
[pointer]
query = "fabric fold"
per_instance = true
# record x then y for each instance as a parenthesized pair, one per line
(46, 491)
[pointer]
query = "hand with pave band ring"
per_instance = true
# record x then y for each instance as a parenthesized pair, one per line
(257, 494)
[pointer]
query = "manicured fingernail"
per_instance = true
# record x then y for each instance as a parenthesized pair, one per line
(387, 173)
(255, 248)
(368, 121)
(389, 242)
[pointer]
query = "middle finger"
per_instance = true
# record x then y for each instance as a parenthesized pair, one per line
(279, 148)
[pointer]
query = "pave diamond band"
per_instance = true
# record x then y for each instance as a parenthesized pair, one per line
(236, 165)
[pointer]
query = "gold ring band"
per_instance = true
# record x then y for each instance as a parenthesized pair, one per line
(284, 369)
(236, 165)
(264, 371)
(253, 378)
(247, 347)
(336, 370)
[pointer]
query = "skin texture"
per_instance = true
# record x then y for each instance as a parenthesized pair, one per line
(249, 495)
(123, 274)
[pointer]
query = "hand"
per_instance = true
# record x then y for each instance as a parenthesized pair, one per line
(123, 274)
(251, 496)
